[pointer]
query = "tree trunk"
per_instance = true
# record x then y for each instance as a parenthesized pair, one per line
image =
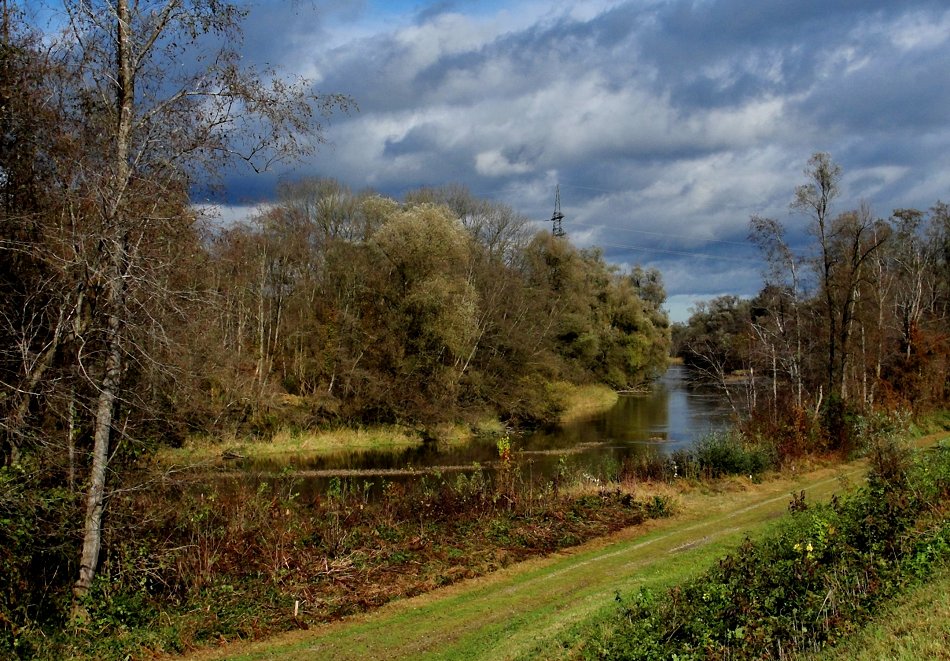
(95, 497)
(115, 256)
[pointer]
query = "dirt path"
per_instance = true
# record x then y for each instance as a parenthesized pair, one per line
(520, 611)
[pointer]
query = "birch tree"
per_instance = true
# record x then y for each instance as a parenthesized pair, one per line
(157, 133)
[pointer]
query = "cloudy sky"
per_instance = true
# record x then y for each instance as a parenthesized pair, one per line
(665, 123)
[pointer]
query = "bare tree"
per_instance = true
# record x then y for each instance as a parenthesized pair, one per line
(784, 315)
(156, 134)
(814, 198)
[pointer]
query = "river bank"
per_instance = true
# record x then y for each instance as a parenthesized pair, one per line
(548, 607)
(228, 560)
(574, 401)
(231, 562)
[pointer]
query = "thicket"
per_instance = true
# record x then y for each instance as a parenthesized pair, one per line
(820, 575)
(189, 563)
(333, 305)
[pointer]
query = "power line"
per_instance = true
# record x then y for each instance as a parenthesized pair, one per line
(661, 234)
(725, 258)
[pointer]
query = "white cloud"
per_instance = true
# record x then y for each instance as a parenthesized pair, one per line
(495, 164)
(224, 215)
(920, 30)
(652, 117)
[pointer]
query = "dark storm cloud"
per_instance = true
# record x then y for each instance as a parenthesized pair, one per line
(681, 117)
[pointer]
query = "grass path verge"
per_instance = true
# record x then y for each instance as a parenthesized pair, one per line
(916, 626)
(525, 610)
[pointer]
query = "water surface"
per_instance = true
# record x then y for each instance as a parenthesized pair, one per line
(672, 415)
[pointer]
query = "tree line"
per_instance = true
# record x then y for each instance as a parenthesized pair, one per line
(331, 304)
(854, 321)
(129, 320)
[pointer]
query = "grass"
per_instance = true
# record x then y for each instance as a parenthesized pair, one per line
(555, 607)
(917, 626)
(201, 449)
(938, 421)
(822, 573)
(578, 401)
(533, 609)
(584, 401)
(233, 560)
(560, 606)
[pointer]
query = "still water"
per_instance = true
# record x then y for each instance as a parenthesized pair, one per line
(672, 415)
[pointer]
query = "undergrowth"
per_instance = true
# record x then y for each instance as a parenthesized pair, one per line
(821, 575)
(199, 562)
(717, 455)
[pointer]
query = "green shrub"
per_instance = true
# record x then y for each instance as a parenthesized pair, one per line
(727, 454)
(825, 570)
(36, 556)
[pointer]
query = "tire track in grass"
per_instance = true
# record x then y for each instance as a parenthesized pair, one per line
(524, 607)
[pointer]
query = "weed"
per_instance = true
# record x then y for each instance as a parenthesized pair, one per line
(213, 561)
(823, 572)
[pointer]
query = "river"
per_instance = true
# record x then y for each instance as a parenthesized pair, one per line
(672, 415)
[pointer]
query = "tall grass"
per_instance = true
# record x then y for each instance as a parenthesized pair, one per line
(190, 563)
(716, 455)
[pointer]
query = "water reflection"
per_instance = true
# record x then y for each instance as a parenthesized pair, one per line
(671, 416)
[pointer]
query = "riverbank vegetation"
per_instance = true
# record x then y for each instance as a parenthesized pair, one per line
(191, 563)
(846, 344)
(848, 328)
(821, 575)
(573, 401)
(915, 626)
(130, 322)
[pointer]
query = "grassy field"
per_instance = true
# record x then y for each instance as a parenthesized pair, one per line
(544, 608)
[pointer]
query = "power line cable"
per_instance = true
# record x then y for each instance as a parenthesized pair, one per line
(661, 234)
(725, 258)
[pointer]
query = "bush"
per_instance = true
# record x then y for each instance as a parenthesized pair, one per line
(727, 454)
(713, 457)
(823, 572)
(191, 562)
(34, 560)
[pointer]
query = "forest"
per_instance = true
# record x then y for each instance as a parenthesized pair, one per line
(129, 320)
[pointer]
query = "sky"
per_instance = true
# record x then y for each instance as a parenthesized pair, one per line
(666, 123)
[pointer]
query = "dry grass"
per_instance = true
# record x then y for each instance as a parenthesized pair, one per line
(579, 402)
(202, 449)
(584, 401)
(530, 610)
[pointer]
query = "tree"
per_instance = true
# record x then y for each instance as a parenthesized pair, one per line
(427, 306)
(152, 135)
(814, 198)
(845, 243)
(499, 229)
(781, 326)
(917, 318)
(715, 341)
